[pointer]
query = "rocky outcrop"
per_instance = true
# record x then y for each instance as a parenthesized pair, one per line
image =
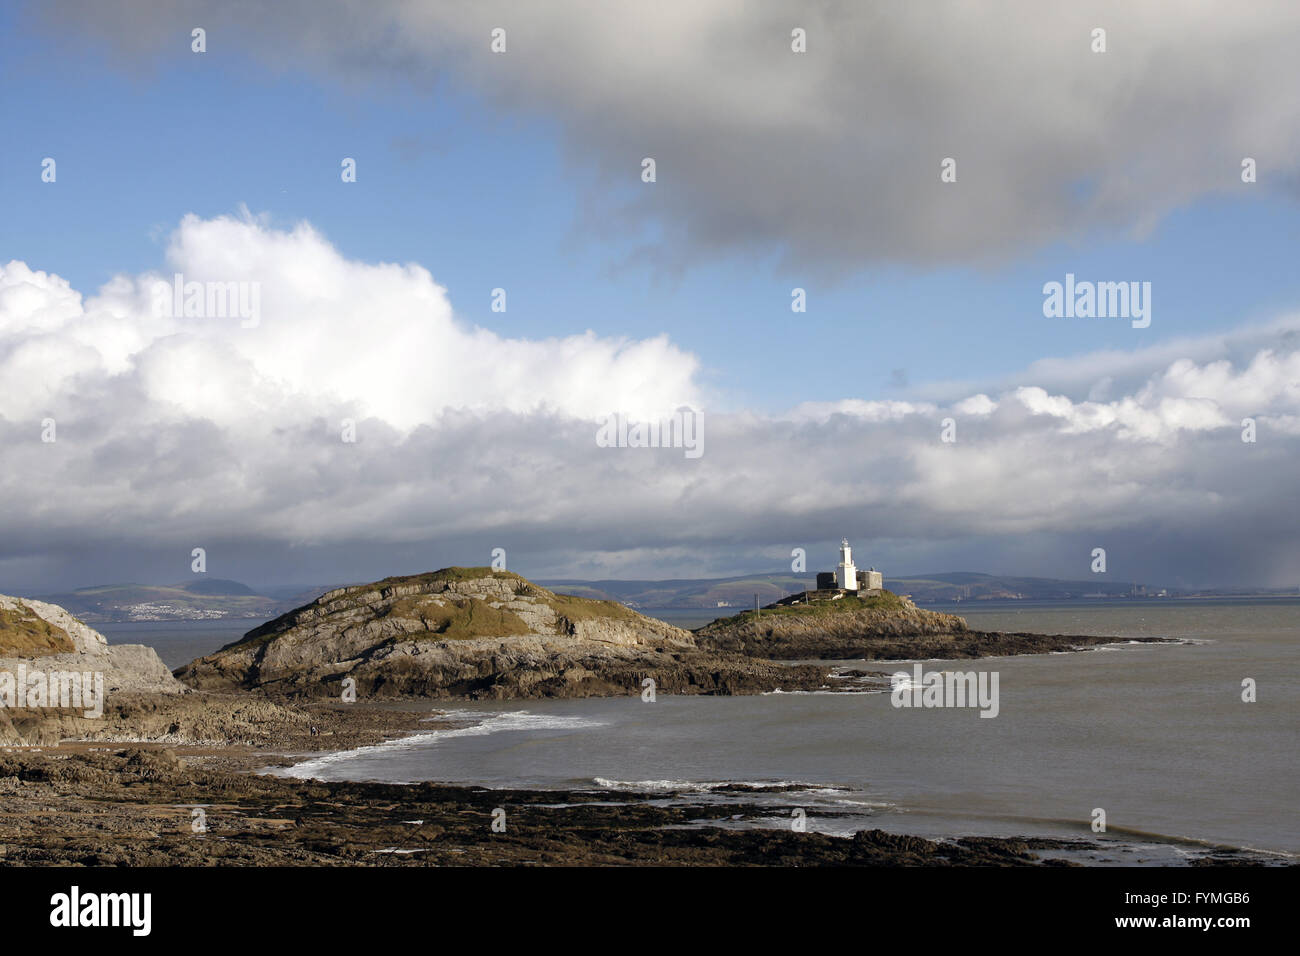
(885, 628)
(38, 640)
(478, 633)
(132, 806)
(72, 646)
(828, 629)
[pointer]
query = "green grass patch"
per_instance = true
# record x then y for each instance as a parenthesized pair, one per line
(446, 574)
(462, 620)
(885, 601)
(26, 634)
(588, 609)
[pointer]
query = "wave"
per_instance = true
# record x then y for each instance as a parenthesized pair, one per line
(711, 786)
(818, 693)
(487, 723)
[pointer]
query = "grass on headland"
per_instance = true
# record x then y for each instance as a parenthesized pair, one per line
(589, 609)
(462, 620)
(446, 574)
(886, 600)
(452, 616)
(30, 635)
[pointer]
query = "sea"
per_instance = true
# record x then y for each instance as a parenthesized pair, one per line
(179, 642)
(1154, 740)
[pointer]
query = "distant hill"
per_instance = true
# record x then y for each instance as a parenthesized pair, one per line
(737, 592)
(970, 586)
(218, 586)
(198, 600)
(947, 587)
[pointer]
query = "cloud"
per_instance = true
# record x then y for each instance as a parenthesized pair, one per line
(828, 159)
(332, 334)
(1098, 375)
(175, 433)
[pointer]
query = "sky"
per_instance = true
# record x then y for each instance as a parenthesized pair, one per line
(522, 171)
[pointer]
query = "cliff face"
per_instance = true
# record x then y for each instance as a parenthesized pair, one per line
(473, 632)
(45, 637)
(39, 639)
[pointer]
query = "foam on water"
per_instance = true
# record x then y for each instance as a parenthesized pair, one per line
(708, 786)
(483, 724)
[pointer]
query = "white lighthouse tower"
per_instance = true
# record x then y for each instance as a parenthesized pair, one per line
(846, 575)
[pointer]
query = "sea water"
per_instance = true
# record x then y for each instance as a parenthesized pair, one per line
(1156, 736)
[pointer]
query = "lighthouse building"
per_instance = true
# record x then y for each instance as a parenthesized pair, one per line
(848, 579)
(846, 575)
(845, 579)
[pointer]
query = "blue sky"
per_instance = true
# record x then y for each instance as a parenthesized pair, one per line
(775, 171)
(486, 198)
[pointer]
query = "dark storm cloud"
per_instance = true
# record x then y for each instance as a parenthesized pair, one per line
(829, 158)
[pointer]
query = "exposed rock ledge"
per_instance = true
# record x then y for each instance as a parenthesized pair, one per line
(39, 637)
(474, 632)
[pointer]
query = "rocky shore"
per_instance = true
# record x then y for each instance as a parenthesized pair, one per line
(105, 802)
(135, 808)
(181, 797)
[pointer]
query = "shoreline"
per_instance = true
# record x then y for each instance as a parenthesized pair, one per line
(145, 816)
(115, 802)
(761, 807)
(125, 792)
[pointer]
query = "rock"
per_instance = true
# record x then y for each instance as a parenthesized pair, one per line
(887, 627)
(73, 646)
(45, 638)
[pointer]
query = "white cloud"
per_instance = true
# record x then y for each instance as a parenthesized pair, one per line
(174, 433)
(870, 411)
(979, 404)
(372, 339)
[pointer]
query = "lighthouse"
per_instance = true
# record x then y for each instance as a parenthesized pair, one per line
(846, 574)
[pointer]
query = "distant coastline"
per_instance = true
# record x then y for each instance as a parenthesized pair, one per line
(216, 599)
